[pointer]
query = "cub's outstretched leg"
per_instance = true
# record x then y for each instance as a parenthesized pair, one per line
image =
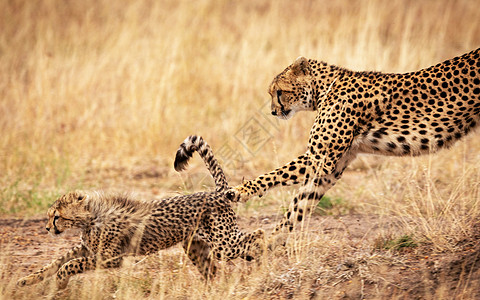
(79, 260)
(72, 267)
(53, 267)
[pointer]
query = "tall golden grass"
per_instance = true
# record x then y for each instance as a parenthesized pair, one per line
(89, 86)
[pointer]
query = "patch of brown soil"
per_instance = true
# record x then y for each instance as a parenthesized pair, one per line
(25, 245)
(356, 271)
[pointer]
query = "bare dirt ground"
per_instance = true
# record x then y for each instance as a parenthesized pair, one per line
(345, 254)
(28, 245)
(363, 273)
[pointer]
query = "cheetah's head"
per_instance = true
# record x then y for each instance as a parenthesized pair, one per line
(291, 90)
(68, 211)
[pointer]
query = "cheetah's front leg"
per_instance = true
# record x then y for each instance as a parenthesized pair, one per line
(52, 267)
(308, 197)
(291, 173)
(74, 266)
(312, 191)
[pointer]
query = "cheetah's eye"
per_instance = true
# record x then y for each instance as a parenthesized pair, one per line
(279, 94)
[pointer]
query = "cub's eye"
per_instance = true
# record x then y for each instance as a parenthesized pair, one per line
(55, 218)
(279, 94)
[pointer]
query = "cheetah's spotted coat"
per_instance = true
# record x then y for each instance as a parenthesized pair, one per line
(366, 112)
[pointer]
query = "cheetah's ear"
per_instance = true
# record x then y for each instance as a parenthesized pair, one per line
(301, 66)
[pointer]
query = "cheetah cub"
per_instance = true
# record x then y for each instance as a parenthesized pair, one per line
(113, 226)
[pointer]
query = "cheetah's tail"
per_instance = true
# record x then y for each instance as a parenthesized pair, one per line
(196, 143)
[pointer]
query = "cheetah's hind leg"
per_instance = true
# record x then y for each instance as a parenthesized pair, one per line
(253, 245)
(199, 253)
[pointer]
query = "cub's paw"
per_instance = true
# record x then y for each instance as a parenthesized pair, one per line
(62, 281)
(29, 280)
(277, 242)
(259, 244)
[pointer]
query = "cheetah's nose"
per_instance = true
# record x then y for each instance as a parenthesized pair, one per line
(47, 228)
(274, 113)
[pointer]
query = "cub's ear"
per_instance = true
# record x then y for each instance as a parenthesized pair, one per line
(79, 196)
(301, 66)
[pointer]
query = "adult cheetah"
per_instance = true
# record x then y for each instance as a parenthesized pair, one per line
(113, 226)
(366, 112)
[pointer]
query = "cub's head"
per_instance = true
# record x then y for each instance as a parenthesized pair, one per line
(292, 90)
(68, 211)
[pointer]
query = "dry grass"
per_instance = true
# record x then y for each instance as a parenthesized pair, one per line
(97, 92)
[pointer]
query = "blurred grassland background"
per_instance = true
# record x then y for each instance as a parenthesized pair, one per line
(93, 91)
(92, 85)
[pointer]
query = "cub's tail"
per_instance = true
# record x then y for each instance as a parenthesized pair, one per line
(196, 143)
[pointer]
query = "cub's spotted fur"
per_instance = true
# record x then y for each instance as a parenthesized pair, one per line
(113, 226)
